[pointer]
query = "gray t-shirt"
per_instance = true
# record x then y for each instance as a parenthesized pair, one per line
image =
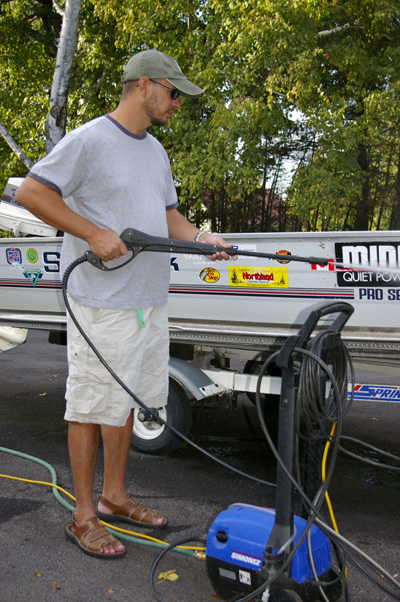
(116, 180)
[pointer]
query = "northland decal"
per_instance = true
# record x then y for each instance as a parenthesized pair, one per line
(358, 257)
(258, 276)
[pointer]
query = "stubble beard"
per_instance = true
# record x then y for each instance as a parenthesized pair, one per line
(150, 107)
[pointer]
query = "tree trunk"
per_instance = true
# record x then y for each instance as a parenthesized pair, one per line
(362, 209)
(395, 217)
(57, 119)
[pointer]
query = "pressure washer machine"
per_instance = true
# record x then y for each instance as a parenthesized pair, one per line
(256, 553)
(236, 553)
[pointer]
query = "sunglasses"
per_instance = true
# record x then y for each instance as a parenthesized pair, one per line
(174, 93)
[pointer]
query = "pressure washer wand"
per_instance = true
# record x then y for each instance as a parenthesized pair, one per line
(137, 242)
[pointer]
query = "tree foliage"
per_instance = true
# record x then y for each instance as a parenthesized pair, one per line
(299, 125)
(28, 32)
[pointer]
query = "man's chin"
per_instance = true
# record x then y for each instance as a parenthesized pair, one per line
(158, 121)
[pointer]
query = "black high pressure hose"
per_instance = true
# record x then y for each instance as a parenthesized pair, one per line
(178, 542)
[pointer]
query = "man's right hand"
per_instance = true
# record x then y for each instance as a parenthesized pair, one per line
(106, 244)
(47, 205)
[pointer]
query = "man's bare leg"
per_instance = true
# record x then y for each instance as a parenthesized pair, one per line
(116, 443)
(83, 442)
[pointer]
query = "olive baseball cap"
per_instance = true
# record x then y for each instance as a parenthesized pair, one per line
(157, 65)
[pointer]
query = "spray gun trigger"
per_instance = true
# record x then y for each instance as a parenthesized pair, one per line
(114, 264)
(95, 260)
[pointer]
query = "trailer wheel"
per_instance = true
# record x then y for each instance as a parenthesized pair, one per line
(254, 367)
(151, 437)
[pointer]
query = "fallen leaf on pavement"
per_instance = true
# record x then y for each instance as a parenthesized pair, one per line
(168, 576)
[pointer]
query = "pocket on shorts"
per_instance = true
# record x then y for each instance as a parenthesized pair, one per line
(89, 384)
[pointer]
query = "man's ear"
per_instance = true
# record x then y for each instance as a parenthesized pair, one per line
(144, 85)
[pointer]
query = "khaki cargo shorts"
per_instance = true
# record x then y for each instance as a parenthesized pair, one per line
(138, 355)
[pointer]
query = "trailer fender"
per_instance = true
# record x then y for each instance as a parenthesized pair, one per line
(193, 379)
(11, 337)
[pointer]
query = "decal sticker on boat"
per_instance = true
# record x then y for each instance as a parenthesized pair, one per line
(209, 275)
(33, 275)
(376, 393)
(330, 267)
(13, 255)
(283, 252)
(31, 255)
(17, 266)
(258, 276)
(358, 257)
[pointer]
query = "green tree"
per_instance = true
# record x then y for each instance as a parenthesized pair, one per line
(312, 84)
(345, 81)
(333, 61)
(28, 32)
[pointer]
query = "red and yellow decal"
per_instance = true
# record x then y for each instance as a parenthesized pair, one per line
(209, 275)
(258, 276)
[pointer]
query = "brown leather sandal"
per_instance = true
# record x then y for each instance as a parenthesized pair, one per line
(90, 536)
(131, 512)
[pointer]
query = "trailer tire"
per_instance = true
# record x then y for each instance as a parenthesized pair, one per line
(155, 438)
(269, 401)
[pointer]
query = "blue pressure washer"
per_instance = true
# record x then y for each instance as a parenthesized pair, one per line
(253, 551)
(241, 555)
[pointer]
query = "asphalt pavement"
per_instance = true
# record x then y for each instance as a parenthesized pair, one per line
(38, 563)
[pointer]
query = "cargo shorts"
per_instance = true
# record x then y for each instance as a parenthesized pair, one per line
(135, 343)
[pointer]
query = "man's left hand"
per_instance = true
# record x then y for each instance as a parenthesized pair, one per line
(214, 239)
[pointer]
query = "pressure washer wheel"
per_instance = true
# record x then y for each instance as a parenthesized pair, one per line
(152, 437)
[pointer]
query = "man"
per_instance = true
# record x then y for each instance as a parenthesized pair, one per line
(99, 179)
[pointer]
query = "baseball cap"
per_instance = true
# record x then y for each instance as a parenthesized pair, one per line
(157, 65)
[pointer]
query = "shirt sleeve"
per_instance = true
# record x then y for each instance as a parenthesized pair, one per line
(64, 168)
(171, 195)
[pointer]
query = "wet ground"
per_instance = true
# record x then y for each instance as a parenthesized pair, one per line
(37, 563)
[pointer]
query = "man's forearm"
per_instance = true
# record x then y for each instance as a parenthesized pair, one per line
(179, 227)
(48, 205)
